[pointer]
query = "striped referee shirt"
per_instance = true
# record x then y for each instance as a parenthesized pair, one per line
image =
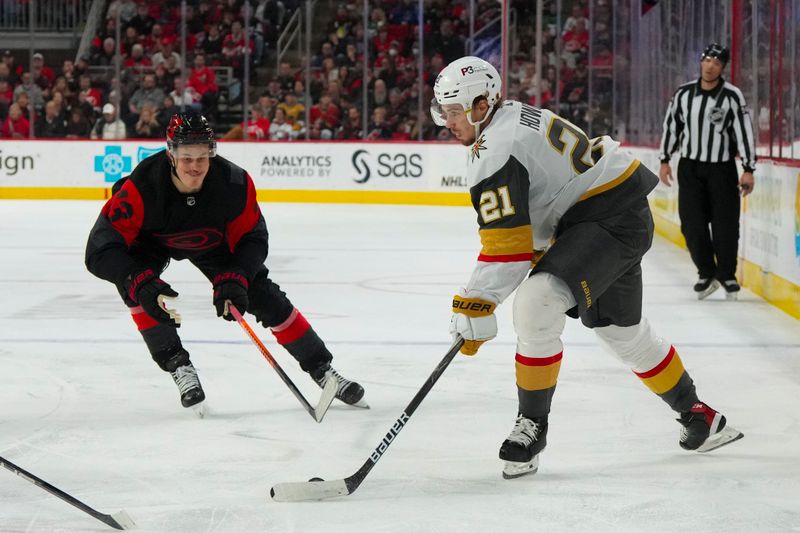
(708, 126)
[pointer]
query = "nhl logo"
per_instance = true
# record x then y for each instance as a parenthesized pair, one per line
(716, 115)
(190, 201)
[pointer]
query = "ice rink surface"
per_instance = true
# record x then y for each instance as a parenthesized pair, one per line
(84, 407)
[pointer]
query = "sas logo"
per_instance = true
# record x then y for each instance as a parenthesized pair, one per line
(477, 147)
(472, 69)
(399, 165)
(114, 165)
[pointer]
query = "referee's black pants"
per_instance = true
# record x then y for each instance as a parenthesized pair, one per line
(708, 195)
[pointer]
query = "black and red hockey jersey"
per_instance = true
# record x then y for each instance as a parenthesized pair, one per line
(221, 225)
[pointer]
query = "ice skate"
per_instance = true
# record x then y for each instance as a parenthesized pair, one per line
(185, 376)
(704, 429)
(704, 287)
(521, 449)
(732, 288)
(347, 391)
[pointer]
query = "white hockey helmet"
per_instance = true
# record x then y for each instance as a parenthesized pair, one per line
(461, 82)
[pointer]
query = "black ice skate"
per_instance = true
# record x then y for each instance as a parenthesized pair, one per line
(347, 391)
(732, 288)
(704, 429)
(185, 376)
(704, 287)
(521, 449)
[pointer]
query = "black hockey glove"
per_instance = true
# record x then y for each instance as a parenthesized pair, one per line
(149, 291)
(230, 287)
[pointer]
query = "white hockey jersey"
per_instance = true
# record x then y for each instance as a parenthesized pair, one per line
(525, 170)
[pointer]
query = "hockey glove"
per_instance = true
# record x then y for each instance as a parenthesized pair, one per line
(474, 320)
(230, 288)
(150, 291)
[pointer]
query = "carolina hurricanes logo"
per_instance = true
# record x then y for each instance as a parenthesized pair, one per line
(477, 147)
(194, 240)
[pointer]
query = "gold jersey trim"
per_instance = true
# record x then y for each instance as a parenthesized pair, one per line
(613, 183)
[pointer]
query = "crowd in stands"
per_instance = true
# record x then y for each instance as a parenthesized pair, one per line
(83, 99)
(567, 64)
(337, 81)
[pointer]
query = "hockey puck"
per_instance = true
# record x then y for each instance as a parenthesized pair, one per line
(316, 479)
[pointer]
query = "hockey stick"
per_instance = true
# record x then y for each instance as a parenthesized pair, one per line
(328, 393)
(319, 489)
(119, 520)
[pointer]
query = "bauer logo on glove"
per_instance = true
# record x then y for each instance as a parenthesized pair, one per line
(474, 320)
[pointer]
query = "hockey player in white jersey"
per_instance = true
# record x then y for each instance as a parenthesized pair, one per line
(564, 221)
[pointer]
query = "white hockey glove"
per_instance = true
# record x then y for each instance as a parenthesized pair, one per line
(474, 320)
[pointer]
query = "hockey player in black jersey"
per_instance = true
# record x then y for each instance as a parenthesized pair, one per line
(188, 203)
(563, 221)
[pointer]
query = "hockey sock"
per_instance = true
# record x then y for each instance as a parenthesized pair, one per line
(670, 381)
(536, 383)
(299, 338)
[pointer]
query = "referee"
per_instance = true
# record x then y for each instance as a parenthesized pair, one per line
(707, 120)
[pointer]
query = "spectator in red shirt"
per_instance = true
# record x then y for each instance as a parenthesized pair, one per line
(15, 126)
(576, 40)
(257, 128)
(233, 47)
(92, 94)
(326, 111)
(382, 43)
(202, 78)
(203, 81)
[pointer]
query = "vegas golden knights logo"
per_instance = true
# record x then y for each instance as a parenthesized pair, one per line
(477, 147)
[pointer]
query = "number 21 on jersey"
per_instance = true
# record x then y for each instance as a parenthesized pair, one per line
(496, 204)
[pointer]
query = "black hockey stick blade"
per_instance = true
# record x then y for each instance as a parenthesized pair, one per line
(120, 520)
(321, 490)
(317, 412)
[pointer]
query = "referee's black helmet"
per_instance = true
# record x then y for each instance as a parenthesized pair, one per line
(718, 51)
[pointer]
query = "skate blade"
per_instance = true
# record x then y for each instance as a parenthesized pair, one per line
(200, 409)
(732, 296)
(702, 295)
(513, 469)
(717, 440)
(361, 404)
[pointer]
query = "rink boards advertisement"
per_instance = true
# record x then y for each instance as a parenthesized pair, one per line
(404, 173)
(90, 167)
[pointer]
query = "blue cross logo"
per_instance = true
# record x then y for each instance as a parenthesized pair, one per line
(112, 163)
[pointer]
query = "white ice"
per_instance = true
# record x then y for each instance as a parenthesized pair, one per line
(84, 407)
